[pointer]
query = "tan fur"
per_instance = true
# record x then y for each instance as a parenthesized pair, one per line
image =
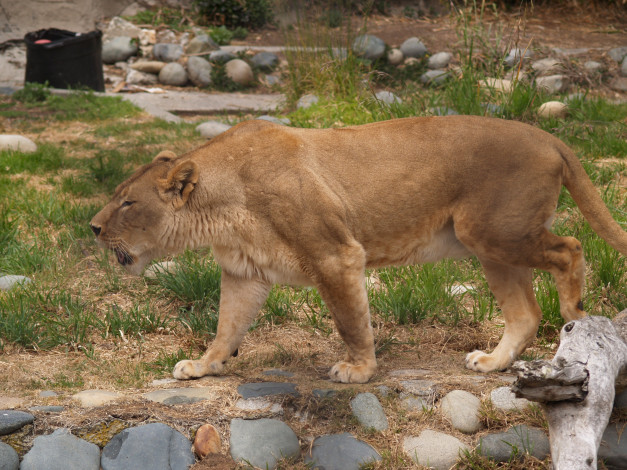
(318, 207)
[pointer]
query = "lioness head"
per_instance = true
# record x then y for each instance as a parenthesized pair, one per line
(136, 223)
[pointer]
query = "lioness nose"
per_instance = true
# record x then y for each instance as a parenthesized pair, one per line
(95, 229)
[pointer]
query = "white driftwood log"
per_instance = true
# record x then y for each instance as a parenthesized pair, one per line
(576, 389)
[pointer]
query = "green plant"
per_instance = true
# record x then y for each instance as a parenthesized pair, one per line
(134, 322)
(221, 35)
(233, 13)
(32, 93)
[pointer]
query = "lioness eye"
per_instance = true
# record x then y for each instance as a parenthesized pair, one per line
(127, 203)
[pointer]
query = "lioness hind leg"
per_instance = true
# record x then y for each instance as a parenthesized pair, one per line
(513, 289)
(240, 301)
(342, 286)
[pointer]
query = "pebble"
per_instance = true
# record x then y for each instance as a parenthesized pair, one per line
(121, 27)
(613, 448)
(88, 398)
(178, 396)
(154, 446)
(498, 84)
(239, 71)
(457, 289)
(422, 388)
(553, 83)
(61, 451)
(368, 47)
(434, 449)
(504, 399)
(265, 61)
(461, 408)
(306, 101)
(201, 43)
(383, 390)
(593, 66)
(434, 77)
(369, 412)
(264, 389)
(11, 281)
(199, 71)
(387, 97)
(340, 452)
(165, 52)
(148, 66)
(413, 47)
(135, 77)
(211, 129)
(9, 460)
(439, 60)
(545, 66)
(18, 143)
(207, 441)
(118, 49)
(514, 443)
(395, 56)
(262, 442)
(555, 109)
(413, 403)
(173, 74)
(11, 421)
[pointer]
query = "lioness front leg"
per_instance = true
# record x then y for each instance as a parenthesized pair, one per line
(343, 288)
(240, 301)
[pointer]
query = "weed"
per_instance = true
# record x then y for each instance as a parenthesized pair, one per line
(165, 362)
(32, 93)
(134, 322)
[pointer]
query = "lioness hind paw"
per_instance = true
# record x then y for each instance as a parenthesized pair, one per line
(483, 362)
(345, 372)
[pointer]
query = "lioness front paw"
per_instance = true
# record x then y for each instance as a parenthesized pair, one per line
(348, 373)
(482, 362)
(185, 370)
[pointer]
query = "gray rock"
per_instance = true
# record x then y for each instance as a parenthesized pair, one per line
(120, 27)
(306, 101)
(618, 53)
(199, 71)
(89, 398)
(413, 47)
(387, 97)
(118, 49)
(443, 111)
(167, 52)
(439, 60)
(419, 387)
(395, 57)
(154, 446)
(461, 408)
(148, 66)
(48, 393)
(239, 71)
(173, 74)
(135, 77)
(434, 77)
(514, 443)
(619, 84)
(11, 420)
(9, 460)
(415, 403)
(383, 390)
(258, 404)
(504, 399)
(265, 61)
(623, 67)
(262, 442)
(571, 51)
(368, 47)
(324, 392)
(61, 451)
(17, 143)
(201, 43)
(434, 449)
(11, 281)
(340, 452)
(593, 66)
(47, 409)
(271, 80)
(221, 57)
(211, 129)
(175, 396)
(369, 412)
(276, 372)
(282, 122)
(545, 66)
(613, 448)
(264, 389)
(515, 55)
(553, 83)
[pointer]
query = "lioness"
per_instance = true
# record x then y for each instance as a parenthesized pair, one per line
(318, 207)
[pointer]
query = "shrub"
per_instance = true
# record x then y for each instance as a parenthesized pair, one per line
(235, 13)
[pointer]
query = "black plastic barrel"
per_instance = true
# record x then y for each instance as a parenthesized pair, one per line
(69, 60)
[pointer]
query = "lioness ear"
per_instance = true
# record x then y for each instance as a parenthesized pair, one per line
(164, 156)
(179, 183)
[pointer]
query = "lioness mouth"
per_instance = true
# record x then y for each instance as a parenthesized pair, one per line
(123, 257)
